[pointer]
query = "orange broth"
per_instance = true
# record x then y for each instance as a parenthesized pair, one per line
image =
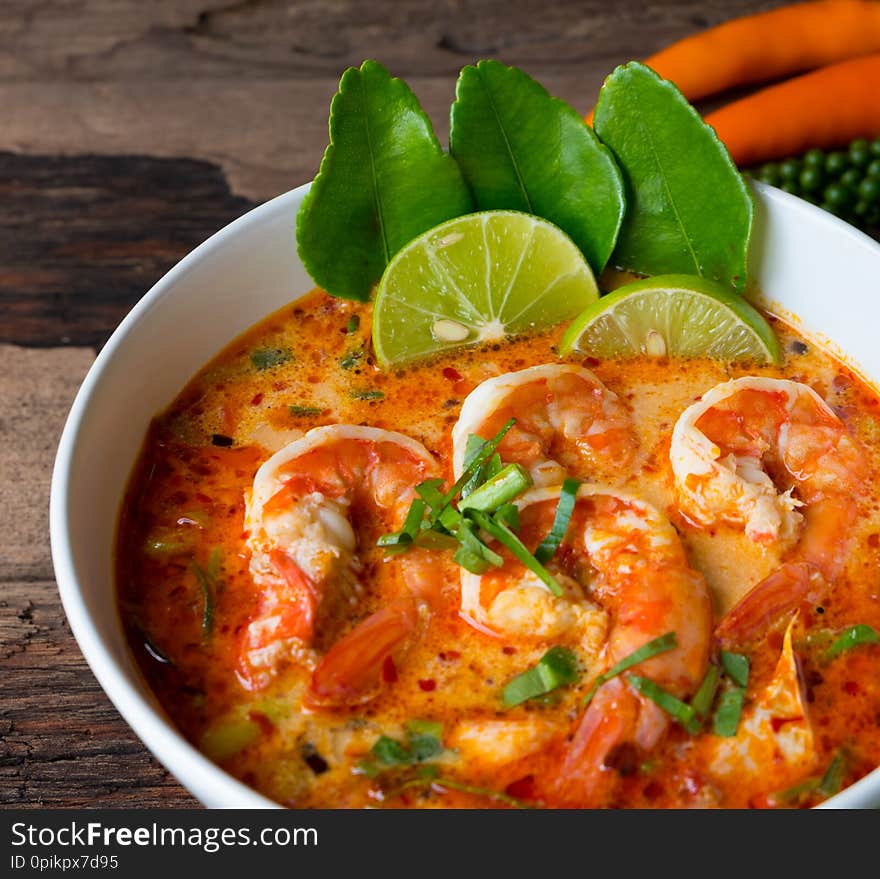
(182, 534)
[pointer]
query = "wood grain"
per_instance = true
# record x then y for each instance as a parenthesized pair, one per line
(84, 238)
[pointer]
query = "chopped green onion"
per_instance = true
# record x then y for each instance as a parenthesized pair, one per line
(429, 779)
(646, 651)
(429, 492)
(390, 752)
(353, 323)
(425, 728)
(266, 358)
(485, 452)
(564, 509)
(207, 578)
(452, 784)
(366, 394)
(705, 696)
(726, 720)
(423, 746)
(472, 543)
(493, 467)
(852, 637)
(737, 667)
(470, 561)
(832, 780)
(352, 358)
(674, 707)
(304, 411)
(508, 514)
(556, 668)
(498, 490)
(410, 529)
(507, 538)
(471, 450)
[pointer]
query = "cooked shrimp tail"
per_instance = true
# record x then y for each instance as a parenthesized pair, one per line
(585, 776)
(352, 670)
(771, 599)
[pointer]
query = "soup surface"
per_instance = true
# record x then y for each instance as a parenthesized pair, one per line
(432, 729)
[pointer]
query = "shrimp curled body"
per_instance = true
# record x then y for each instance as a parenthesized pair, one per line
(567, 424)
(302, 516)
(627, 581)
(729, 453)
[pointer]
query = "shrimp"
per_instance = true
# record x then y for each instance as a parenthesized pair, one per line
(626, 581)
(731, 449)
(567, 423)
(301, 517)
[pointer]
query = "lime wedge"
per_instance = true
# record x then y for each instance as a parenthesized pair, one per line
(478, 278)
(675, 315)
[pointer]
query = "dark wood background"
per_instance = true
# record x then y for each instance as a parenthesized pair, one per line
(131, 131)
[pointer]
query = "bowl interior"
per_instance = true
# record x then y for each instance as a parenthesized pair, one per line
(804, 262)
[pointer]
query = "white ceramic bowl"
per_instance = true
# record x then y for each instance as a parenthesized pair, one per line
(808, 263)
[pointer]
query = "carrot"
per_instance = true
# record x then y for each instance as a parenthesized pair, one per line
(770, 45)
(825, 108)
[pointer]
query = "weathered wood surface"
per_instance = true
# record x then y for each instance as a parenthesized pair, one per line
(131, 131)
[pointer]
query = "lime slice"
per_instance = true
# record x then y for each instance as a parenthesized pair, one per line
(676, 315)
(475, 279)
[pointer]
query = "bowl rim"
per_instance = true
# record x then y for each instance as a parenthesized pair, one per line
(148, 721)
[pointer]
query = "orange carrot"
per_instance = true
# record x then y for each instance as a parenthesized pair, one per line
(825, 108)
(770, 45)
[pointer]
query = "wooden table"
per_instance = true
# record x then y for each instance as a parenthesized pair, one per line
(130, 133)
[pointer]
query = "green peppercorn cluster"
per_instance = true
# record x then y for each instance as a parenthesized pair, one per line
(844, 182)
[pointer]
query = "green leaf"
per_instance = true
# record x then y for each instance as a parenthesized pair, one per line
(521, 149)
(736, 667)
(688, 209)
(672, 705)
(383, 181)
(852, 637)
(645, 652)
(556, 668)
(730, 706)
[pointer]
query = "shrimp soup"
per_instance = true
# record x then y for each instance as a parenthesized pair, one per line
(296, 638)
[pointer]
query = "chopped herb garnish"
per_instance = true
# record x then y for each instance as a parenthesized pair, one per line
(366, 394)
(829, 784)
(353, 324)
(208, 579)
(704, 698)
(646, 651)
(410, 529)
(424, 740)
(674, 707)
(305, 411)
(736, 666)
(508, 514)
(428, 777)
(517, 548)
(832, 781)
(730, 705)
(352, 358)
(266, 358)
(854, 636)
(497, 490)
(564, 509)
(219, 439)
(558, 667)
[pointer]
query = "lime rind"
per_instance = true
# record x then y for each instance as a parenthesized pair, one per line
(691, 317)
(476, 279)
